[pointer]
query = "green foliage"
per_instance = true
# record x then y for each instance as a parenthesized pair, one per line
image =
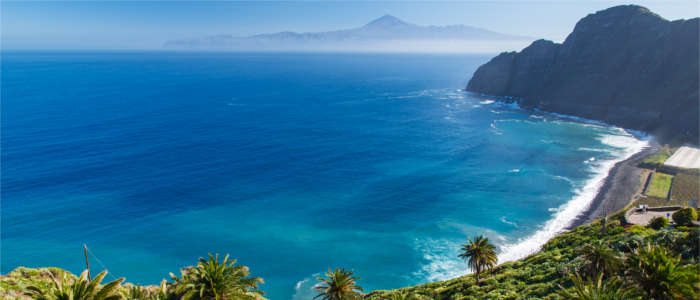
(685, 188)
(131, 292)
(480, 254)
(685, 216)
(542, 274)
(80, 289)
(662, 275)
(338, 284)
(658, 223)
(640, 230)
(659, 186)
(599, 258)
(217, 279)
(668, 269)
(657, 159)
(598, 289)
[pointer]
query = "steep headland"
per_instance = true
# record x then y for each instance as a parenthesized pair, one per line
(624, 65)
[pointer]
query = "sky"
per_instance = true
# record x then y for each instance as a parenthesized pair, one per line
(148, 24)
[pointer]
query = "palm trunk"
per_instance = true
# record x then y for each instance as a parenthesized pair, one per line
(478, 271)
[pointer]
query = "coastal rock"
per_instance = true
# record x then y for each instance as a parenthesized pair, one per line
(624, 65)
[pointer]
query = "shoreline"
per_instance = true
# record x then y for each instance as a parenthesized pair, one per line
(618, 189)
(611, 191)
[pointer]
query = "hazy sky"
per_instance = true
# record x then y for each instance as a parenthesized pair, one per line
(147, 24)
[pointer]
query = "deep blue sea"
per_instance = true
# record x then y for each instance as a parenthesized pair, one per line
(292, 163)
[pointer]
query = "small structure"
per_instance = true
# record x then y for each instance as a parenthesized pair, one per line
(686, 157)
(643, 215)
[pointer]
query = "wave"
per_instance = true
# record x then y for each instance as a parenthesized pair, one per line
(571, 182)
(304, 289)
(591, 149)
(626, 145)
(504, 220)
(514, 171)
(485, 102)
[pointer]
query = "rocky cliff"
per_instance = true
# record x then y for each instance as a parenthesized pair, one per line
(624, 65)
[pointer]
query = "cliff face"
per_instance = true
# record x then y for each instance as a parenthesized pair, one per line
(624, 65)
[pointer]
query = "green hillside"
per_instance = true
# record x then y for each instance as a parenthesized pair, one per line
(634, 262)
(540, 275)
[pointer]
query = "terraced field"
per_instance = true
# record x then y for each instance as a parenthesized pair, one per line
(659, 186)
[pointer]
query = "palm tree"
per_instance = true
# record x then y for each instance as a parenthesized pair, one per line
(600, 259)
(338, 284)
(142, 293)
(161, 293)
(479, 254)
(80, 289)
(661, 274)
(611, 289)
(219, 280)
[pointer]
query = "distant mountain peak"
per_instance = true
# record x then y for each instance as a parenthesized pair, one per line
(381, 34)
(387, 21)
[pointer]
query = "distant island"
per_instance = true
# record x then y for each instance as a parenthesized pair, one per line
(386, 33)
(625, 65)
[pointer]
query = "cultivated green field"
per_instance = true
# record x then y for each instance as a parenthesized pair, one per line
(659, 185)
(686, 187)
(657, 159)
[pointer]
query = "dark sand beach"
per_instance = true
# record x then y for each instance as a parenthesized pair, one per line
(619, 187)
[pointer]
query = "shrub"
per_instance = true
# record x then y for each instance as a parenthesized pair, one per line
(685, 216)
(640, 230)
(658, 223)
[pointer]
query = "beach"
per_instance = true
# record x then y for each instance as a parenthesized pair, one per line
(618, 189)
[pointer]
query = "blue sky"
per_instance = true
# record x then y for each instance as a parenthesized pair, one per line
(147, 24)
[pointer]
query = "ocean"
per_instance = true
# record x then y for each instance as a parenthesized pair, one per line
(291, 163)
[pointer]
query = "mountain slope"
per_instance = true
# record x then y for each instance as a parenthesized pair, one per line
(624, 65)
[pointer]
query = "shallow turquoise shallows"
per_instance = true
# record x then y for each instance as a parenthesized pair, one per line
(292, 163)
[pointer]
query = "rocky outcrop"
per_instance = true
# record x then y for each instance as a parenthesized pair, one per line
(624, 65)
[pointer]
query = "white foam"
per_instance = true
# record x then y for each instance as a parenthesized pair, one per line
(504, 220)
(627, 145)
(304, 289)
(571, 182)
(442, 260)
(591, 149)
(514, 171)
(487, 102)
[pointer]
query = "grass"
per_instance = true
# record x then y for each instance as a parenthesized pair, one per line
(659, 185)
(657, 159)
(686, 187)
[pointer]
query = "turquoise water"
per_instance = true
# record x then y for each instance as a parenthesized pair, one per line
(291, 163)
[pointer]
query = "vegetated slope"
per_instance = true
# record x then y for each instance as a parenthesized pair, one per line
(539, 275)
(624, 65)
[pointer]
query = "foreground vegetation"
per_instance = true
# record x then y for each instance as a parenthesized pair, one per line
(611, 261)
(614, 262)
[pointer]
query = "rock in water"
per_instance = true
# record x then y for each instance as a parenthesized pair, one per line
(624, 65)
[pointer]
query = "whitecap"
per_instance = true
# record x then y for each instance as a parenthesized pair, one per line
(486, 102)
(571, 182)
(504, 220)
(592, 149)
(304, 289)
(514, 171)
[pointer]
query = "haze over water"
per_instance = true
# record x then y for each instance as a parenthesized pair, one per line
(292, 163)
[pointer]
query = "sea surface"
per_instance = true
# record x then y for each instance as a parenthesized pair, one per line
(292, 163)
